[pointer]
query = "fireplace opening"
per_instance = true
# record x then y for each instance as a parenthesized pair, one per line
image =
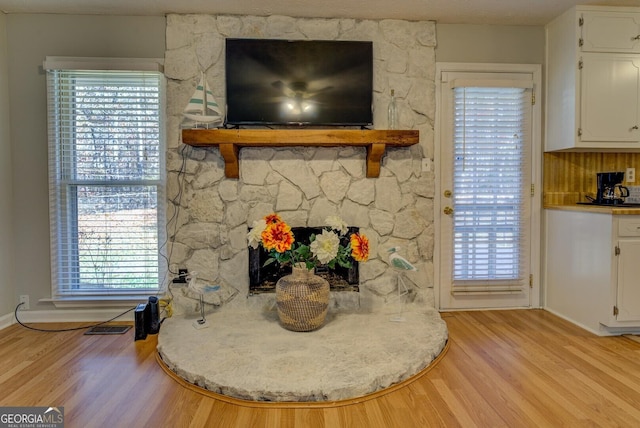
(262, 279)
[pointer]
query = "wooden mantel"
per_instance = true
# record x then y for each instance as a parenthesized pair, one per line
(230, 140)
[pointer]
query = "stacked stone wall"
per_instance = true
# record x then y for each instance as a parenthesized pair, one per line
(209, 214)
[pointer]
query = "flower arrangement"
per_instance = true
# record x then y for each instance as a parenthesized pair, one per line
(327, 248)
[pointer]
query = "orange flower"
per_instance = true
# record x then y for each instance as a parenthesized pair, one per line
(277, 236)
(272, 218)
(359, 247)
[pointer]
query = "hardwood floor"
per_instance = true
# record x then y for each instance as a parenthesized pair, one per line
(502, 369)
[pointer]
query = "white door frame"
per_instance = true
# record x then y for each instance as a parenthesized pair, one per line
(536, 167)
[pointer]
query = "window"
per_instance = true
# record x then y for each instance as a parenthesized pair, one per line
(106, 176)
(490, 163)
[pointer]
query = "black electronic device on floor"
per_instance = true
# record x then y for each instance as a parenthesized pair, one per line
(147, 318)
(153, 312)
(140, 330)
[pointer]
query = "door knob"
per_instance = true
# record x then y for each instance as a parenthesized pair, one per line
(448, 210)
(447, 193)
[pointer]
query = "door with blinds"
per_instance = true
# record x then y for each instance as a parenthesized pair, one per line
(486, 189)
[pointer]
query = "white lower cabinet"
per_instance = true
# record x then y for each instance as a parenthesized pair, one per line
(592, 270)
(628, 270)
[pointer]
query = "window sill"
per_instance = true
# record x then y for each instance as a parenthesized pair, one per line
(98, 301)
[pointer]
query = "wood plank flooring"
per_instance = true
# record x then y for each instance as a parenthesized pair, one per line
(502, 369)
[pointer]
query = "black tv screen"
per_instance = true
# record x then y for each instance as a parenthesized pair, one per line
(299, 82)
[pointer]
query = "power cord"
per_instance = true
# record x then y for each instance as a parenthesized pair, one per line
(176, 204)
(15, 312)
(177, 200)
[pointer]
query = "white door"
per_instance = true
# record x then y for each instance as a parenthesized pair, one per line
(487, 219)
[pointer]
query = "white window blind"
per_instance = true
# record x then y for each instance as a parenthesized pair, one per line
(107, 180)
(490, 190)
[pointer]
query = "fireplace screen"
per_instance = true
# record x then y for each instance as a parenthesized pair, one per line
(262, 279)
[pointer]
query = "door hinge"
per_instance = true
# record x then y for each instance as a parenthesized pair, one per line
(615, 311)
(580, 42)
(580, 21)
(580, 65)
(579, 132)
(530, 280)
(533, 98)
(617, 251)
(533, 190)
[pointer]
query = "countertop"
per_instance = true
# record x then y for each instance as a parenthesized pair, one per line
(615, 210)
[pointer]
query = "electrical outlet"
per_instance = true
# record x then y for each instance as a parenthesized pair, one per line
(24, 299)
(182, 276)
(630, 175)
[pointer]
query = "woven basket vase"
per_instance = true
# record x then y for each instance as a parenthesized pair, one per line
(302, 299)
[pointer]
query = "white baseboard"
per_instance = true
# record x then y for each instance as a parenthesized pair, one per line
(71, 315)
(7, 320)
(603, 331)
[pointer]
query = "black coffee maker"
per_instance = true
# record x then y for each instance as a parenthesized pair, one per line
(610, 189)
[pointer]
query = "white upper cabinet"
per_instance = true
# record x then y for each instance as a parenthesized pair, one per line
(593, 80)
(610, 92)
(610, 32)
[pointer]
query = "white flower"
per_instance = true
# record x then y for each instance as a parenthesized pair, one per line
(254, 235)
(336, 223)
(325, 246)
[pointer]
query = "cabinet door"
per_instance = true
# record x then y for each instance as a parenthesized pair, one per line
(628, 294)
(610, 105)
(611, 32)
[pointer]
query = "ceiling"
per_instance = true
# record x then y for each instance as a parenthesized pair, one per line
(497, 12)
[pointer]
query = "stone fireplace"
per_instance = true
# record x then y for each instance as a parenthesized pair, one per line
(209, 214)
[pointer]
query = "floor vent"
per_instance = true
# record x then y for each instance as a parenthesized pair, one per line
(108, 329)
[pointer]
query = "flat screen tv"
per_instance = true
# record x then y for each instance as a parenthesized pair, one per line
(298, 82)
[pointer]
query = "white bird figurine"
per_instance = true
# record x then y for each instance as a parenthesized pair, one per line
(200, 288)
(399, 262)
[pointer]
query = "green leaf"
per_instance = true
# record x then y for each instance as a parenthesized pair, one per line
(345, 263)
(304, 252)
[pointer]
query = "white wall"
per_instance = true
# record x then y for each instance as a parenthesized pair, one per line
(6, 191)
(490, 43)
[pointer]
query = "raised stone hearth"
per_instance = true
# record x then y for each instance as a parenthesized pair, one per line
(248, 355)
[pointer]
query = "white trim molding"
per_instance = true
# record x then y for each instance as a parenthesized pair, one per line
(7, 320)
(72, 315)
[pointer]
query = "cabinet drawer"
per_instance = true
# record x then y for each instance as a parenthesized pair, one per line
(629, 227)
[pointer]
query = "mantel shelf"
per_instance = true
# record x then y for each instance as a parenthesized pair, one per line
(230, 140)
